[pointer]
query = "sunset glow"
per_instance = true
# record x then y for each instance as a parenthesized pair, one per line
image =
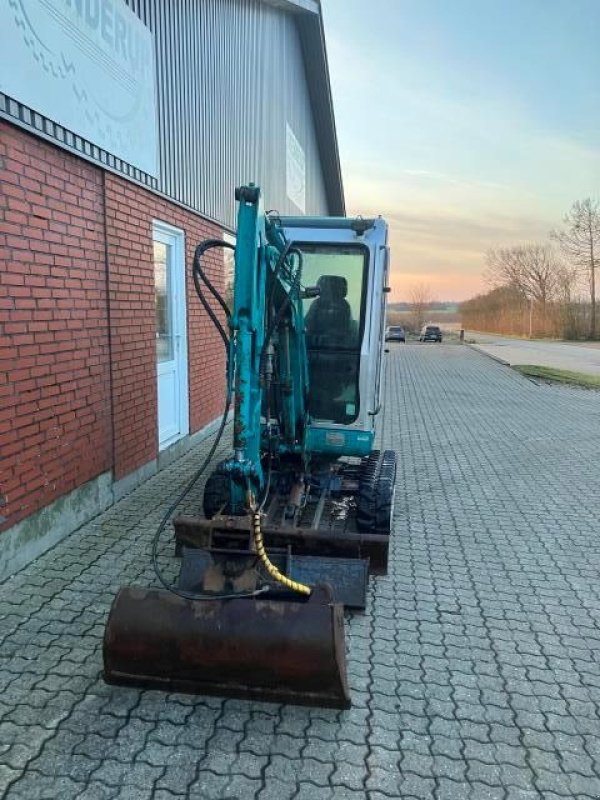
(457, 123)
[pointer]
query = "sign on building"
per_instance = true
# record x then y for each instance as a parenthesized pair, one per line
(87, 65)
(295, 171)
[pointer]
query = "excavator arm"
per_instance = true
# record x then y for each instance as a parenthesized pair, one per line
(268, 373)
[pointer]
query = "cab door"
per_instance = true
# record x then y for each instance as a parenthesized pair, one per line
(345, 260)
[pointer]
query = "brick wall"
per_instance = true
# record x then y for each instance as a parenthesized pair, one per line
(77, 324)
(130, 211)
(54, 351)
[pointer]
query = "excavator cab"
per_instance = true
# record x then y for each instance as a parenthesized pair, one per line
(347, 260)
(300, 514)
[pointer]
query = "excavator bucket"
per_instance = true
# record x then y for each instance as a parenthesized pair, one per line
(271, 650)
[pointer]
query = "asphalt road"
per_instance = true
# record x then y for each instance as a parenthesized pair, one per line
(576, 356)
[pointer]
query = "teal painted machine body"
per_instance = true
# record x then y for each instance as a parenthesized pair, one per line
(331, 441)
(306, 382)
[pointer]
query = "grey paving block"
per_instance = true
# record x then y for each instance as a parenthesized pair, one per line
(351, 776)
(242, 786)
(8, 775)
(36, 786)
(453, 769)
(97, 791)
(447, 789)
(382, 779)
(249, 765)
(481, 791)
(308, 791)
(276, 790)
(411, 785)
(134, 792)
(176, 779)
(116, 773)
(320, 750)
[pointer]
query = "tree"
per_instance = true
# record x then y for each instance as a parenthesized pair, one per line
(580, 242)
(421, 297)
(498, 311)
(532, 269)
(570, 309)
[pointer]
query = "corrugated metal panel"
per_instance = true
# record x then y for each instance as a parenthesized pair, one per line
(230, 75)
(253, 82)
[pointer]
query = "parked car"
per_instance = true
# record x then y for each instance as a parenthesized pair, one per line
(431, 333)
(395, 334)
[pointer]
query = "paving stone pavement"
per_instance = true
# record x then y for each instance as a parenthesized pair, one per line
(475, 671)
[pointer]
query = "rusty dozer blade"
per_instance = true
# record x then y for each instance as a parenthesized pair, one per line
(271, 650)
(228, 531)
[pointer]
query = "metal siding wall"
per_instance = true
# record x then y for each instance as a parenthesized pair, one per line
(230, 74)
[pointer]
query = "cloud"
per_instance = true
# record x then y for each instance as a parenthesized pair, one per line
(454, 180)
(442, 224)
(455, 164)
(470, 232)
(446, 246)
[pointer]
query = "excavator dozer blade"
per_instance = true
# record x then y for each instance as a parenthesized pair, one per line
(276, 651)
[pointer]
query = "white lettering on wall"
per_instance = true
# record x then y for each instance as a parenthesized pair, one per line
(295, 170)
(88, 65)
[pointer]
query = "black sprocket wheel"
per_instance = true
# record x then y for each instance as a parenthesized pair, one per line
(217, 494)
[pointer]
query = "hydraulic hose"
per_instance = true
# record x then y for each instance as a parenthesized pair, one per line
(203, 247)
(278, 576)
(284, 306)
(199, 277)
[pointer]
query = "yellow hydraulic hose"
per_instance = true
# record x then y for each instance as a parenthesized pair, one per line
(270, 567)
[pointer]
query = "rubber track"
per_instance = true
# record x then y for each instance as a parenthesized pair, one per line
(376, 492)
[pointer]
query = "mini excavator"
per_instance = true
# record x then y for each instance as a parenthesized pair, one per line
(300, 513)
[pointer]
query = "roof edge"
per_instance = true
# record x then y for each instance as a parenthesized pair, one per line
(316, 66)
(297, 6)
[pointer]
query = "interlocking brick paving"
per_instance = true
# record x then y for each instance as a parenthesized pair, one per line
(475, 671)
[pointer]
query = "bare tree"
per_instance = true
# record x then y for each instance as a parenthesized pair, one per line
(580, 242)
(566, 283)
(569, 306)
(421, 297)
(532, 269)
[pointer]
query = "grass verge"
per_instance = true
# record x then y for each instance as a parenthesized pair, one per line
(554, 375)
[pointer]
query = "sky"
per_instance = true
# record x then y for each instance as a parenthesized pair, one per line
(467, 124)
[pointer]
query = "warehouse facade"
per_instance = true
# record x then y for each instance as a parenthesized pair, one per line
(124, 129)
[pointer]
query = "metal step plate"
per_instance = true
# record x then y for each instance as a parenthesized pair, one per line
(348, 577)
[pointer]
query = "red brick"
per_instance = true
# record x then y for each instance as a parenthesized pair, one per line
(41, 211)
(32, 276)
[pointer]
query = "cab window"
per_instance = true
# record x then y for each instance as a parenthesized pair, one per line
(334, 323)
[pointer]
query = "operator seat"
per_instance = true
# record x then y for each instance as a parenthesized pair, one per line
(328, 321)
(331, 339)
